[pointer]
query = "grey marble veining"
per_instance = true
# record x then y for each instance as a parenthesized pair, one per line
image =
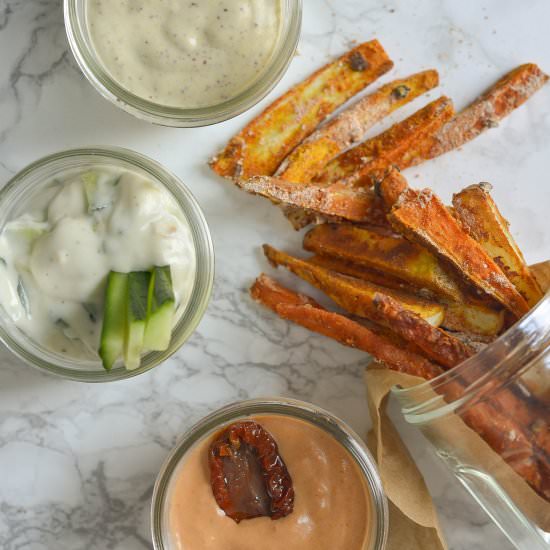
(78, 462)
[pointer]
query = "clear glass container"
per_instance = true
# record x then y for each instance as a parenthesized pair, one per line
(91, 66)
(41, 173)
(503, 394)
(278, 406)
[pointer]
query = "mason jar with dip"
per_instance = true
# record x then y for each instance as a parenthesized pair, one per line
(183, 63)
(328, 492)
(107, 264)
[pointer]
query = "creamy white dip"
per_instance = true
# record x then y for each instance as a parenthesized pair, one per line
(56, 254)
(183, 53)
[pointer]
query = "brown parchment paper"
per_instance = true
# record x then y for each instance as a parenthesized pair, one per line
(413, 520)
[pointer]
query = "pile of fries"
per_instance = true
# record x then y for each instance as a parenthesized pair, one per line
(423, 285)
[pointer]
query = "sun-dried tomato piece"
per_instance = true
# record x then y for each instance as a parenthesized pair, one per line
(248, 475)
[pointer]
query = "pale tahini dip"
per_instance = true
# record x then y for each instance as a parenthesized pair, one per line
(332, 507)
(56, 254)
(184, 54)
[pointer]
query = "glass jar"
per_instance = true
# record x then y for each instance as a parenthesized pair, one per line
(378, 522)
(82, 48)
(503, 394)
(41, 173)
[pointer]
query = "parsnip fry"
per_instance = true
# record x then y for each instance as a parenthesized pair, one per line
(337, 200)
(397, 146)
(349, 127)
(467, 316)
(511, 91)
(424, 219)
(479, 215)
(354, 295)
(263, 144)
(384, 252)
(266, 291)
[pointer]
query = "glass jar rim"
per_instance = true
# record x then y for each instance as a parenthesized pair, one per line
(204, 275)
(178, 117)
(507, 357)
(282, 406)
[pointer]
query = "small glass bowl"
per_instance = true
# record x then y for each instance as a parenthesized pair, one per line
(82, 48)
(41, 173)
(281, 407)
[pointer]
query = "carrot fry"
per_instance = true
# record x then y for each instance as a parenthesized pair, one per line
(349, 127)
(423, 218)
(354, 295)
(398, 146)
(263, 144)
(338, 200)
(304, 312)
(384, 252)
(435, 343)
(511, 91)
(480, 217)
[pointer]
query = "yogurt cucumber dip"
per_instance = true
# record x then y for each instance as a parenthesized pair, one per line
(98, 265)
(182, 53)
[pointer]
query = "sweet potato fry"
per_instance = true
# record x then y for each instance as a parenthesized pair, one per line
(339, 201)
(349, 127)
(481, 218)
(263, 144)
(468, 316)
(511, 91)
(354, 295)
(304, 312)
(384, 252)
(424, 219)
(398, 146)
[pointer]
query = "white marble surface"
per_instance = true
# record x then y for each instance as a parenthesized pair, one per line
(77, 462)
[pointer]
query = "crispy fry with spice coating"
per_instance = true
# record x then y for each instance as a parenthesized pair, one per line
(436, 344)
(263, 144)
(511, 91)
(354, 295)
(349, 127)
(384, 252)
(339, 201)
(398, 146)
(468, 316)
(302, 310)
(481, 218)
(424, 219)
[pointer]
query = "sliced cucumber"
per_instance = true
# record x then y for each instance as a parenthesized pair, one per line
(90, 187)
(138, 291)
(162, 307)
(114, 319)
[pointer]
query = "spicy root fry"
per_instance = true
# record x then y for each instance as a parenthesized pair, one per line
(304, 311)
(480, 217)
(350, 126)
(422, 218)
(399, 145)
(335, 201)
(354, 295)
(263, 144)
